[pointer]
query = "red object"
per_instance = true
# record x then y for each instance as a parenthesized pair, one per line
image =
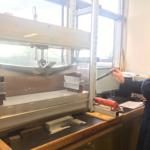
(107, 102)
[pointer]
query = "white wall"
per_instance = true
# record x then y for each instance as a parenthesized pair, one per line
(138, 37)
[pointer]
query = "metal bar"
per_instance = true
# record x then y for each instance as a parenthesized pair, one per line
(71, 23)
(13, 105)
(62, 2)
(80, 3)
(93, 50)
(12, 121)
(84, 11)
(41, 34)
(62, 15)
(105, 74)
(114, 44)
(109, 14)
(62, 24)
(125, 5)
(71, 13)
(102, 12)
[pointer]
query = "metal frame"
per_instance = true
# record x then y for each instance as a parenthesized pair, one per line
(38, 33)
(102, 12)
(96, 11)
(94, 24)
(71, 23)
(125, 5)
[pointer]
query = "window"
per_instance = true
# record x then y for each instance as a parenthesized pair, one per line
(105, 39)
(111, 5)
(52, 13)
(27, 56)
(13, 54)
(109, 31)
(84, 22)
(47, 12)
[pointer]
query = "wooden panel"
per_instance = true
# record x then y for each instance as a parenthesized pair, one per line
(74, 137)
(109, 139)
(109, 135)
(131, 133)
(4, 146)
(131, 122)
(23, 30)
(103, 135)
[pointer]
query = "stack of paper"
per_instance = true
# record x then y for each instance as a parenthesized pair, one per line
(131, 104)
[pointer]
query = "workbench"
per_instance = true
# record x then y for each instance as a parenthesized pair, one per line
(119, 133)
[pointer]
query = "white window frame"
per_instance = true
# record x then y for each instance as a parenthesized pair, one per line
(118, 31)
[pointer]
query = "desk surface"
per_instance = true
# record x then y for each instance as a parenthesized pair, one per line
(42, 140)
(98, 127)
(4, 146)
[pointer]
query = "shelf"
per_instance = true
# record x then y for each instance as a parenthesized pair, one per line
(33, 32)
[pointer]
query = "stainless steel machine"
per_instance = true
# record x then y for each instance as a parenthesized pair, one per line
(54, 105)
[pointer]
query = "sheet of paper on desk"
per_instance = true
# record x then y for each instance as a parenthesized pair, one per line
(131, 104)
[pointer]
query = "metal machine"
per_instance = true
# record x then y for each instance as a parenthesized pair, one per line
(17, 110)
(74, 95)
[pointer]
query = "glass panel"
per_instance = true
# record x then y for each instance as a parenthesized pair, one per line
(65, 17)
(105, 36)
(54, 55)
(84, 53)
(47, 12)
(105, 39)
(84, 22)
(27, 56)
(87, 1)
(111, 5)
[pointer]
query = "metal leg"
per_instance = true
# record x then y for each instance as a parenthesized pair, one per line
(95, 12)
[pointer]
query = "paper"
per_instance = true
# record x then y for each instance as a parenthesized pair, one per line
(131, 104)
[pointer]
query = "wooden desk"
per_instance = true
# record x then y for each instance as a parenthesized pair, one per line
(119, 133)
(4, 146)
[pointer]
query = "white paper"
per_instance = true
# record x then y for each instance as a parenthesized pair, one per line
(131, 104)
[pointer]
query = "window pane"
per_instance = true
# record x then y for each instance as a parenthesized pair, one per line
(84, 53)
(105, 38)
(17, 55)
(54, 55)
(47, 12)
(27, 56)
(65, 17)
(105, 42)
(84, 22)
(111, 5)
(87, 1)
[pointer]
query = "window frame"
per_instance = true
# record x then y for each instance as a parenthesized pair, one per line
(118, 27)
